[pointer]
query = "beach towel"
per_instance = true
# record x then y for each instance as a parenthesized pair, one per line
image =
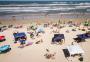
(29, 43)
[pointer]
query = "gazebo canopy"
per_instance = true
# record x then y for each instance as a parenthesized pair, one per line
(19, 34)
(40, 29)
(75, 49)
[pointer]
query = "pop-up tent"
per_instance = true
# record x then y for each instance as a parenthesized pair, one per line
(75, 49)
(2, 38)
(17, 36)
(82, 37)
(40, 29)
(58, 37)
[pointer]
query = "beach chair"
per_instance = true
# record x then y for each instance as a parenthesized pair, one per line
(5, 48)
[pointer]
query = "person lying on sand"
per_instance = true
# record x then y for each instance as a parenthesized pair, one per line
(67, 31)
(40, 41)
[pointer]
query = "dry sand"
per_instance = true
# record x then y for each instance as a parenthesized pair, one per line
(35, 52)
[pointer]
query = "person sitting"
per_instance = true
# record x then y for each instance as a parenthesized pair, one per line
(81, 58)
(77, 39)
(22, 42)
(31, 35)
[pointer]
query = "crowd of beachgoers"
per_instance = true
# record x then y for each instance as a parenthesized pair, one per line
(69, 35)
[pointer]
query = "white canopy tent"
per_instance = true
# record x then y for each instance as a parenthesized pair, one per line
(75, 49)
(40, 29)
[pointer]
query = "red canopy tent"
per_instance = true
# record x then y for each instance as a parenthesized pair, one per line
(2, 38)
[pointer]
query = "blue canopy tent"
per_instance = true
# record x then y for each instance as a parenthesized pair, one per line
(82, 37)
(40, 29)
(21, 35)
(58, 38)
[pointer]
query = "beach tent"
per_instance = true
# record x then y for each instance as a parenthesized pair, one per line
(58, 37)
(5, 48)
(2, 38)
(82, 37)
(40, 29)
(75, 49)
(17, 36)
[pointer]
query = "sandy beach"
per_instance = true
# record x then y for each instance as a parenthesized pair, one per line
(36, 52)
(44, 18)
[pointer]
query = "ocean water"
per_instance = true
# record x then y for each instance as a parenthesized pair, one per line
(28, 9)
(16, 7)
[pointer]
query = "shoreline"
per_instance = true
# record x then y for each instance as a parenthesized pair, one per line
(42, 18)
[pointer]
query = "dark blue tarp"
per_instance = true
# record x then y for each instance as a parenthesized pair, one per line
(58, 37)
(83, 36)
(19, 34)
